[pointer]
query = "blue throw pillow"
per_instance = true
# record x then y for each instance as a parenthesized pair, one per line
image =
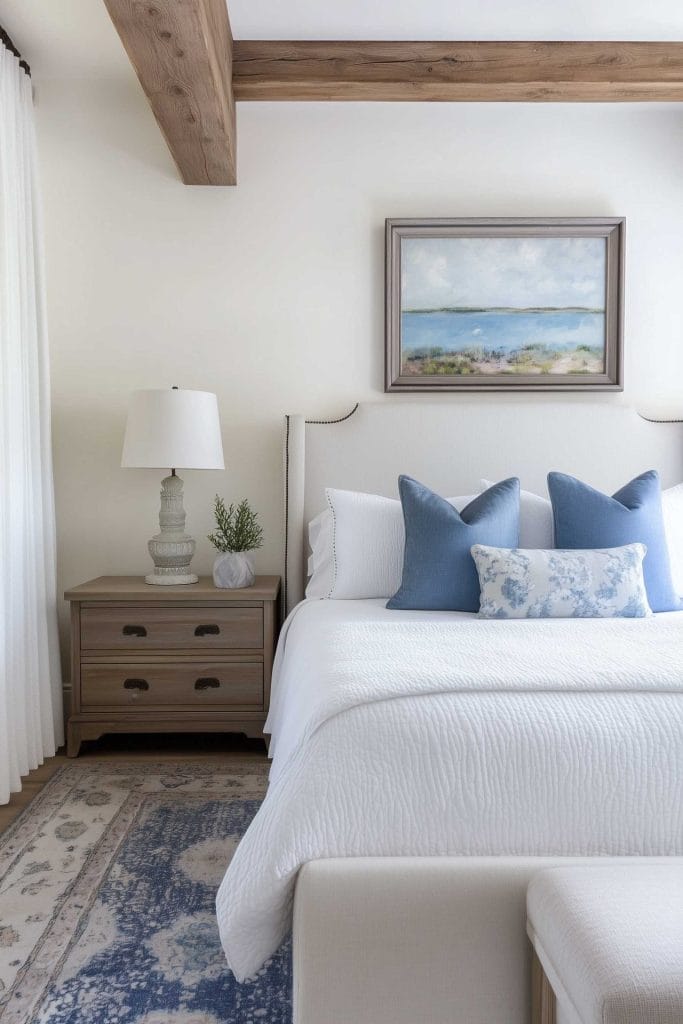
(438, 569)
(586, 518)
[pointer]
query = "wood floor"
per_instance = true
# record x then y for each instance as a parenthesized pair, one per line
(209, 747)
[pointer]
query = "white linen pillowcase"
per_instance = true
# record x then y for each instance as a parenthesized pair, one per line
(535, 519)
(603, 583)
(357, 545)
(320, 560)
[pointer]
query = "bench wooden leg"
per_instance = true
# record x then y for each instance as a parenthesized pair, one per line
(543, 1004)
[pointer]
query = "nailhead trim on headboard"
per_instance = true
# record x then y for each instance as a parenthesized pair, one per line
(316, 423)
(326, 423)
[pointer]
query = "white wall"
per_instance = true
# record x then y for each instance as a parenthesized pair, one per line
(271, 294)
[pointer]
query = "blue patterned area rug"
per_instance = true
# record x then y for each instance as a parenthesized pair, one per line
(107, 888)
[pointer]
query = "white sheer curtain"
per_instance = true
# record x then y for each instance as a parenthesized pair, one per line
(30, 684)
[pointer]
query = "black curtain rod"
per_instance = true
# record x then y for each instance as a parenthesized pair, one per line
(9, 45)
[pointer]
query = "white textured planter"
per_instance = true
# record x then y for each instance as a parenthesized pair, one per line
(234, 569)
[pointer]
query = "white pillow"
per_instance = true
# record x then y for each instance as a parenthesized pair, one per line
(535, 519)
(533, 584)
(357, 546)
(320, 560)
(672, 508)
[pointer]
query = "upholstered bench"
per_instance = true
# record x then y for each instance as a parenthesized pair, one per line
(608, 942)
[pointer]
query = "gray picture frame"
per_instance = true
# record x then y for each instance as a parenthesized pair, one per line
(612, 229)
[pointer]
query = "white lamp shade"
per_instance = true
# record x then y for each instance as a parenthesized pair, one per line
(173, 429)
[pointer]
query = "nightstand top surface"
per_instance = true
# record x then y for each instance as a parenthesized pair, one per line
(134, 588)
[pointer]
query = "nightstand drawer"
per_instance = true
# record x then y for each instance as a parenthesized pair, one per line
(136, 628)
(189, 684)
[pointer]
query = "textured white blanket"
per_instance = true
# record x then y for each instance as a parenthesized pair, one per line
(407, 733)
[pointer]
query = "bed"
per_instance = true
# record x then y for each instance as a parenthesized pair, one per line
(421, 734)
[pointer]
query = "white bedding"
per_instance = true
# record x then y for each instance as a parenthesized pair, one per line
(438, 733)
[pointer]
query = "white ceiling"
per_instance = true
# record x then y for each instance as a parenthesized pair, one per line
(75, 39)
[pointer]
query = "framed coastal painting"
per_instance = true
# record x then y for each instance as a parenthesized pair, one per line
(503, 305)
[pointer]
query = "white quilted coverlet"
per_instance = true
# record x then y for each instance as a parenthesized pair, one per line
(438, 733)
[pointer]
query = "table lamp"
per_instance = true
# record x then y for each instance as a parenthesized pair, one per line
(172, 429)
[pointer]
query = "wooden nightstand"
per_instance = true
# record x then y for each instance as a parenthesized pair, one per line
(170, 659)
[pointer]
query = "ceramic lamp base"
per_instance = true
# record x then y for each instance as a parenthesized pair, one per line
(172, 580)
(171, 549)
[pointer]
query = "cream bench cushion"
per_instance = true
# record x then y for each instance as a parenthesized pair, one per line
(610, 940)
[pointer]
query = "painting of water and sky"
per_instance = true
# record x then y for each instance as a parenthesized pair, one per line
(503, 305)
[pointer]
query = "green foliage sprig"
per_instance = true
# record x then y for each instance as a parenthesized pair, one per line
(237, 527)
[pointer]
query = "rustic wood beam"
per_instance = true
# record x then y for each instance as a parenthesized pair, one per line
(446, 71)
(182, 53)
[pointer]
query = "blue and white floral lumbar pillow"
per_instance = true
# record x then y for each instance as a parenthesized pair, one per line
(533, 584)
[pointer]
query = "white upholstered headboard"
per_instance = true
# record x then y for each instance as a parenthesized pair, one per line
(450, 445)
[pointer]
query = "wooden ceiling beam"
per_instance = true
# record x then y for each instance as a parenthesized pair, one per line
(182, 53)
(465, 71)
(192, 73)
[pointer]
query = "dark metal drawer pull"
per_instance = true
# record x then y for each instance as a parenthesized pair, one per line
(134, 631)
(135, 684)
(207, 683)
(208, 630)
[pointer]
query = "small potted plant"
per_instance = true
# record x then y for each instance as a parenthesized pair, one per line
(237, 536)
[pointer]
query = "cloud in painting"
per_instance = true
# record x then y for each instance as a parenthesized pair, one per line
(439, 273)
